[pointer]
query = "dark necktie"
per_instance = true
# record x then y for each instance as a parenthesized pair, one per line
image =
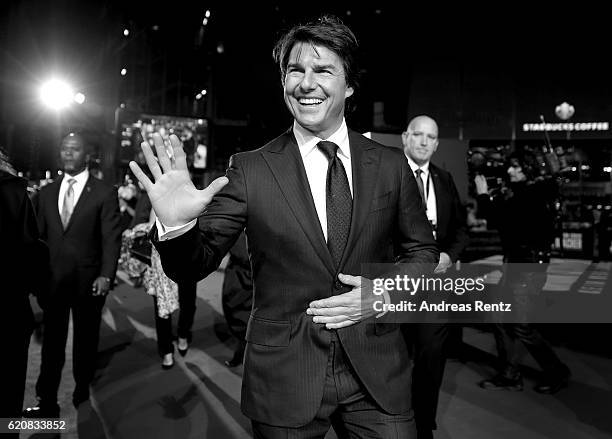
(419, 181)
(339, 202)
(68, 204)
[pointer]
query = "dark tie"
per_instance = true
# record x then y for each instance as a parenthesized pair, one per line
(419, 181)
(339, 202)
(68, 204)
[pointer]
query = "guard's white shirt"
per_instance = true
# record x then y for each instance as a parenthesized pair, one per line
(81, 179)
(432, 214)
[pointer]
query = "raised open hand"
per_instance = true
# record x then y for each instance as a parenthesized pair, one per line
(175, 200)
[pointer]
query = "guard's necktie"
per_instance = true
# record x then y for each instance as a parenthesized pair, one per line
(419, 181)
(339, 202)
(68, 205)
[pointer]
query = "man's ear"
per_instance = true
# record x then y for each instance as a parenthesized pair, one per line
(405, 138)
(349, 92)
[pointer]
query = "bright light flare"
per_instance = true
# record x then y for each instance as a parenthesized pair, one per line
(56, 94)
(79, 98)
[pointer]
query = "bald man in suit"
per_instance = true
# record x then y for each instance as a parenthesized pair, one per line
(448, 218)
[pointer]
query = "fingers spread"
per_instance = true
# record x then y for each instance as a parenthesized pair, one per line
(162, 153)
(141, 176)
(151, 160)
(180, 158)
(214, 187)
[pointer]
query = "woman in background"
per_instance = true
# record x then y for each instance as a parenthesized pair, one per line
(167, 298)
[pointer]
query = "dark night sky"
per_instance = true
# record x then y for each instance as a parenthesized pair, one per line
(541, 55)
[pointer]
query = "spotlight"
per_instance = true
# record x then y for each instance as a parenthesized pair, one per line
(126, 32)
(123, 72)
(79, 98)
(56, 94)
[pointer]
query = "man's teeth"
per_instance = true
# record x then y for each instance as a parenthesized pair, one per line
(310, 101)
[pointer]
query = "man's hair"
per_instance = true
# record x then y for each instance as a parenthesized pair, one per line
(327, 31)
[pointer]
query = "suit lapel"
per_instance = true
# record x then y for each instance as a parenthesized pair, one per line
(55, 213)
(442, 201)
(83, 199)
(287, 166)
(364, 160)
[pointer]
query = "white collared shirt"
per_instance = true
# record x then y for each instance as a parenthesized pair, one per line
(315, 163)
(78, 186)
(432, 214)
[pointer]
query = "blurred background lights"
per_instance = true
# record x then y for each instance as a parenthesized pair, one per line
(79, 98)
(123, 72)
(56, 94)
(126, 32)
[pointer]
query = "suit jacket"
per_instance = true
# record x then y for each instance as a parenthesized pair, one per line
(286, 355)
(451, 228)
(90, 245)
(24, 259)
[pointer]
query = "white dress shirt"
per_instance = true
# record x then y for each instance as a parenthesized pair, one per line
(432, 214)
(315, 164)
(77, 187)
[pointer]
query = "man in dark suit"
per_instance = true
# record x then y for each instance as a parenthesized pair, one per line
(78, 217)
(317, 202)
(447, 216)
(24, 262)
(237, 297)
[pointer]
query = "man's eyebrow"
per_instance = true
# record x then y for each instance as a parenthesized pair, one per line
(325, 66)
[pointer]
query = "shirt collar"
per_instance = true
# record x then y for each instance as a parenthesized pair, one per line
(307, 142)
(81, 177)
(414, 166)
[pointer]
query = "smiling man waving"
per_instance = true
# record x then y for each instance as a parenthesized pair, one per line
(317, 203)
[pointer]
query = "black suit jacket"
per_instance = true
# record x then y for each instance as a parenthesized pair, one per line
(24, 259)
(90, 245)
(451, 228)
(269, 195)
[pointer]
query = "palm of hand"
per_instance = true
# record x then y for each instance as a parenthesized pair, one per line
(175, 199)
